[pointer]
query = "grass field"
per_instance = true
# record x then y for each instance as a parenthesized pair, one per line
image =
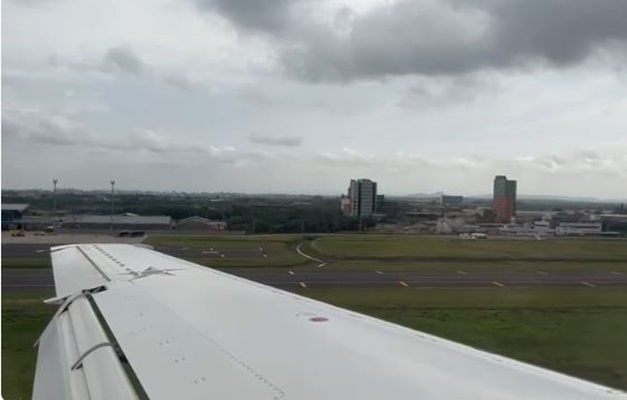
(204, 241)
(399, 247)
(239, 251)
(24, 318)
(26, 262)
(470, 267)
(415, 253)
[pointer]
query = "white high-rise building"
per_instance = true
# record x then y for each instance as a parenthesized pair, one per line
(363, 197)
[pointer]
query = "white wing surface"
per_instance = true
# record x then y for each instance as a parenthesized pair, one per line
(190, 332)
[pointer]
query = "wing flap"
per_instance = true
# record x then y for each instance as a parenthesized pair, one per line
(75, 359)
(54, 378)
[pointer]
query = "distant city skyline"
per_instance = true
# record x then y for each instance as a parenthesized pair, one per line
(332, 193)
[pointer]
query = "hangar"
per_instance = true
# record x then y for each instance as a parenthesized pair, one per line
(12, 215)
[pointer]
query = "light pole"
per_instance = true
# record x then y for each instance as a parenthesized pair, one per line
(112, 197)
(54, 197)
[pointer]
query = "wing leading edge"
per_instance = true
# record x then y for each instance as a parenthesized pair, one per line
(191, 332)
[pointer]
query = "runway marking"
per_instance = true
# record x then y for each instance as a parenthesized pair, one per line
(379, 272)
(184, 248)
(498, 284)
(40, 251)
(616, 273)
(290, 272)
(302, 284)
(322, 262)
(462, 273)
(588, 284)
(403, 283)
(542, 273)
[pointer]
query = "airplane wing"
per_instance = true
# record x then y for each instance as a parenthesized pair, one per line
(135, 323)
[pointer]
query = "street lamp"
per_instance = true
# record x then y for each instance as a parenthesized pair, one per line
(54, 196)
(112, 196)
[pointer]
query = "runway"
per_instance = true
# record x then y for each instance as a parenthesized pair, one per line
(305, 277)
(17, 279)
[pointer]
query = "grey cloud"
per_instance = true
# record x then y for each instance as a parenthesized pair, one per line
(285, 141)
(32, 2)
(436, 92)
(431, 37)
(114, 59)
(253, 15)
(559, 31)
(124, 59)
(606, 161)
(60, 131)
(180, 81)
(50, 129)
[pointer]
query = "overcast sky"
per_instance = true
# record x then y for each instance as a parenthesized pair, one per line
(300, 96)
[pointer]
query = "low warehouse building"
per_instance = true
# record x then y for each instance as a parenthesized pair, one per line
(197, 223)
(118, 222)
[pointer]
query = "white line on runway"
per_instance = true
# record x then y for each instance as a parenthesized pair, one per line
(322, 263)
(290, 272)
(302, 284)
(379, 272)
(403, 283)
(588, 284)
(184, 248)
(40, 251)
(542, 273)
(462, 273)
(498, 284)
(616, 273)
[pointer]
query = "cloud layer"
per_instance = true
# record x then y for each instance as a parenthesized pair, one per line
(283, 141)
(302, 95)
(430, 37)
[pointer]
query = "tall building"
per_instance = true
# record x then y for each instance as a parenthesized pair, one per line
(378, 207)
(363, 197)
(504, 199)
(345, 205)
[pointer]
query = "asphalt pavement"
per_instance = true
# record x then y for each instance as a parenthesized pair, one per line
(16, 279)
